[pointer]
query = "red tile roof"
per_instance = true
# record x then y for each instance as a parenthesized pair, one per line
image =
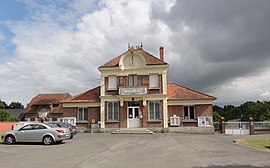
(88, 96)
(176, 91)
(149, 59)
(45, 100)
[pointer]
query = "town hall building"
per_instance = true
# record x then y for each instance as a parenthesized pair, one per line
(134, 93)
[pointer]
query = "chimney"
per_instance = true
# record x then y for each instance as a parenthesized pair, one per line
(161, 53)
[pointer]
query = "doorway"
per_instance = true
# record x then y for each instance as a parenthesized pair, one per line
(133, 117)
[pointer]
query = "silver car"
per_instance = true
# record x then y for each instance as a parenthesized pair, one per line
(37, 132)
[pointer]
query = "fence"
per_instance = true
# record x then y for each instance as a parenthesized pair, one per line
(261, 127)
(217, 126)
(241, 128)
(237, 128)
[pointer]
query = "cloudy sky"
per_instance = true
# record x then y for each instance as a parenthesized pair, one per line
(218, 47)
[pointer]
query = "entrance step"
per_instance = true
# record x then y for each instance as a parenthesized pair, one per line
(132, 131)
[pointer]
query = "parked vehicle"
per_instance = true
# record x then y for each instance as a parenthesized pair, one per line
(37, 132)
(72, 128)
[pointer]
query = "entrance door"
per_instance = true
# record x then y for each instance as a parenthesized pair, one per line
(133, 117)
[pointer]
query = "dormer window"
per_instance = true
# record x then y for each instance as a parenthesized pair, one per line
(112, 82)
(43, 112)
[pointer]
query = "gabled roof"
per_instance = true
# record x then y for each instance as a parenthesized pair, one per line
(149, 59)
(45, 100)
(89, 96)
(48, 99)
(179, 92)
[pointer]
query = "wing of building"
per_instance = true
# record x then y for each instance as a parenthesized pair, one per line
(134, 93)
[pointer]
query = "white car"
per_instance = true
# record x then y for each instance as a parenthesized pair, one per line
(37, 132)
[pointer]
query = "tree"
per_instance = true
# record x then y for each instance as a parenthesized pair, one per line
(4, 116)
(15, 105)
(216, 117)
(3, 104)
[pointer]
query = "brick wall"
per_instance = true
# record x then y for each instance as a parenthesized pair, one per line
(93, 113)
(204, 110)
(143, 80)
(151, 124)
(200, 111)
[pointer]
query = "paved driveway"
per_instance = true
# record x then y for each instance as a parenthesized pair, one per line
(124, 151)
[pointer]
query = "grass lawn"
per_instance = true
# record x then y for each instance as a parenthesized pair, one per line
(262, 144)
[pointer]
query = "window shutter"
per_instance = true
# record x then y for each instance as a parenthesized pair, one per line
(112, 82)
(153, 80)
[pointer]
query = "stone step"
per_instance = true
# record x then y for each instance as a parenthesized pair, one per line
(132, 131)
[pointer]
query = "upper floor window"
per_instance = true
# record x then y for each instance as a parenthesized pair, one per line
(83, 114)
(189, 112)
(153, 81)
(132, 80)
(112, 80)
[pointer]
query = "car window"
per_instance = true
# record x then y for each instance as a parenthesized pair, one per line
(38, 127)
(28, 127)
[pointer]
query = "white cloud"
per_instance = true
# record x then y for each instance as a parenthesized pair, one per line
(242, 89)
(60, 45)
(51, 57)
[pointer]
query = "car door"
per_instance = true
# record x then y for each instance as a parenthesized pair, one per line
(40, 130)
(25, 134)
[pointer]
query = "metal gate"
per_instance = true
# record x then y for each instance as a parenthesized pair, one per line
(237, 128)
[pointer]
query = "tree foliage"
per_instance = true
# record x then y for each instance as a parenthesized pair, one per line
(3, 104)
(12, 105)
(259, 111)
(15, 105)
(4, 116)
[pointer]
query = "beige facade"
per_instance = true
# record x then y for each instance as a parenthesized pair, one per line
(134, 93)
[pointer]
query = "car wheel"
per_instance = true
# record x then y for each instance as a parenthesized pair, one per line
(10, 139)
(48, 140)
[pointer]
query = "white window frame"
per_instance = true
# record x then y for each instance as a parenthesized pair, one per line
(83, 114)
(154, 110)
(112, 82)
(114, 103)
(153, 81)
(188, 117)
(133, 80)
(205, 121)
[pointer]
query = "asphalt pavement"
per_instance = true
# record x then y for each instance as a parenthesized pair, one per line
(137, 151)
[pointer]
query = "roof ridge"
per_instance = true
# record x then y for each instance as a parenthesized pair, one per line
(191, 89)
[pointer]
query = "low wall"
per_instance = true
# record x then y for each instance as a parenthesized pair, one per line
(187, 130)
(6, 126)
(192, 130)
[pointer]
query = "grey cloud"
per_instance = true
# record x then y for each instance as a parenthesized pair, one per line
(230, 38)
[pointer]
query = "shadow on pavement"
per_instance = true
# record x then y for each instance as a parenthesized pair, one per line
(233, 166)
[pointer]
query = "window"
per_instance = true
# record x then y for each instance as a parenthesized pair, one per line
(189, 112)
(153, 81)
(83, 114)
(32, 119)
(133, 80)
(54, 119)
(112, 80)
(112, 111)
(154, 110)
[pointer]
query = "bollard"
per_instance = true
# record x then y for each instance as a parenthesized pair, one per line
(251, 126)
(222, 124)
